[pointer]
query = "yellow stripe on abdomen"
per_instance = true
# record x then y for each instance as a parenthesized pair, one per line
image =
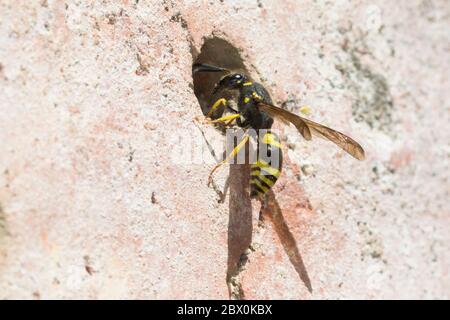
(265, 172)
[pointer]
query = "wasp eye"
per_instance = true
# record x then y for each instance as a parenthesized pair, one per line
(238, 78)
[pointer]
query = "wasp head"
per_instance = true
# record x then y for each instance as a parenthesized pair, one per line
(231, 81)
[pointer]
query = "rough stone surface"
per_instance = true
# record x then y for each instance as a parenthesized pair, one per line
(97, 96)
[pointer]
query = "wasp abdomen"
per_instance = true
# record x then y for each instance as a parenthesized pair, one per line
(266, 170)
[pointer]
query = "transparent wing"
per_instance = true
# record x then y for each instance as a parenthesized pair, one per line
(306, 126)
(345, 142)
(287, 117)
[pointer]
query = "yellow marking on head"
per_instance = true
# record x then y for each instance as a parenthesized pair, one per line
(246, 99)
(271, 139)
(306, 110)
(259, 184)
(249, 83)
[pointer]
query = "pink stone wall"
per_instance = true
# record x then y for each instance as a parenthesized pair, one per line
(96, 96)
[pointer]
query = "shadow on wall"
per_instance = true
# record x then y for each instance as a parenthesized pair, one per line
(273, 211)
(219, 52)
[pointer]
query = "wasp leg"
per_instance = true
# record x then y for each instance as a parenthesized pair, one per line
(230, 104)
(226, 119)
(228, 124)
(231, 155)
(221, 101)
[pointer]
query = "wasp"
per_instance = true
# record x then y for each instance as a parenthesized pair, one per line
(255, 110)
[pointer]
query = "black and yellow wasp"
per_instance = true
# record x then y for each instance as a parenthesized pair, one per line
(255, 110)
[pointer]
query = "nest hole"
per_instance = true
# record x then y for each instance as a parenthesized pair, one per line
(218, 52)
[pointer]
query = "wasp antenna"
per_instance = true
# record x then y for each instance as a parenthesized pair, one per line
(201, 67)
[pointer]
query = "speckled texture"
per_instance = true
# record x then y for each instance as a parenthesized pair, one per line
(96, 96)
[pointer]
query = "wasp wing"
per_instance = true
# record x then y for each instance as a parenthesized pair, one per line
(287, 117)
(346, 143)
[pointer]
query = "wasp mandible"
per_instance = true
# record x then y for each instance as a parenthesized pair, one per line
(255, 110)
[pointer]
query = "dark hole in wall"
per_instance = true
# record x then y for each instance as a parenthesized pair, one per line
(218, 52)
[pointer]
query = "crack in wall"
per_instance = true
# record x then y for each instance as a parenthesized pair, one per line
(234, 279)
